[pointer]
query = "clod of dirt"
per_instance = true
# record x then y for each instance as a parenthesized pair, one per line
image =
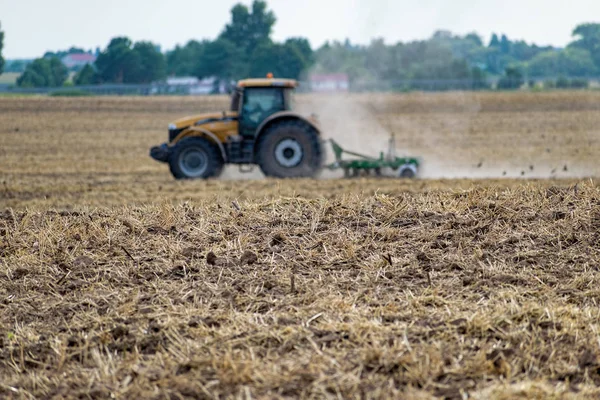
(565, 168)
(449, 393)
(211, 322)
(20, 272)
(278, 239)
(194, 323)
(499, 359)
(73, 341)
(248, 258)
(83, 261)
(588, 359)
(119, 332)
(211, 258)
(208, 322)
(154, 327)
(157, 230)
(191, 252)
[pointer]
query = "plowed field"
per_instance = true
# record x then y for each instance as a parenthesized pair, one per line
(118, 282)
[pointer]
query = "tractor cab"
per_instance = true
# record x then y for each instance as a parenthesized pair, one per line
(256, 100)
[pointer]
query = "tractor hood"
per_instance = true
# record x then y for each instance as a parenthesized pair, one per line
(202, 119)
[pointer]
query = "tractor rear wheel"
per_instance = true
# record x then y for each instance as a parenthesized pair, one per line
(289, 149)
(196, 158)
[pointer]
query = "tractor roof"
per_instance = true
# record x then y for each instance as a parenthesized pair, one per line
(268, 82)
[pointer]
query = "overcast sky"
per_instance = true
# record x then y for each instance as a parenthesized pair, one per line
(34, 26)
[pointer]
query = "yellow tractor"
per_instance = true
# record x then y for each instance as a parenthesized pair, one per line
(259, 129)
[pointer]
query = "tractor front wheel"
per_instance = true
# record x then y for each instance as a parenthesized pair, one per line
(289, 149)
(195, 158)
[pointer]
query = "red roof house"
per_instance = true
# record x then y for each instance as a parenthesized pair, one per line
(78, 60)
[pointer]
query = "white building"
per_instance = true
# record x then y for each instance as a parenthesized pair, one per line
(190, 85)
(329, 82)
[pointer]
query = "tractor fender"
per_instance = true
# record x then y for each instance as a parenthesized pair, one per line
(193, 132)
(284, 115)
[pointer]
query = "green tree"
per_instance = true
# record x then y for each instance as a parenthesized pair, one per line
(62, 53)
(59, 71)
(303, 46)
(494, 42)
(150, 64)
(221, 59)
(86, 76)
(587, 37)
(44, 72)
(341, 58)
(571, 62)
(512, 79)
(124, 62)
(505, 45)
(183, 61)
(521, 51)
(283, 60)
(495, 60)
(114, 62)
(475, 39)
(479, 79)
(1, 47)
(378, 59)
(249, 28)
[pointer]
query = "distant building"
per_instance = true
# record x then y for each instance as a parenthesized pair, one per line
(208, 86)
(182, 81)
(190, 85)
(329, 82)
(76, 61)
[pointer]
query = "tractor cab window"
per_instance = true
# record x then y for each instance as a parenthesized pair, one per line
(259, 104)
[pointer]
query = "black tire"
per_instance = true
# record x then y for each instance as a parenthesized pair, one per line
(408, 171)
(196, 158)
(289, 149)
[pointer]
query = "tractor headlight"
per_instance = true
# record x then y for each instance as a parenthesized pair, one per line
(172, 127)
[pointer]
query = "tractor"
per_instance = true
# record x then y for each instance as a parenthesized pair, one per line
(260, 128)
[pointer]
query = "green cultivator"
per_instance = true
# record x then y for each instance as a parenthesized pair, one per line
(365, 165)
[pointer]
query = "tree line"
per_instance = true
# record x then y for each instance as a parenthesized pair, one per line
(2, 61)
(464, 58)
(245, 48)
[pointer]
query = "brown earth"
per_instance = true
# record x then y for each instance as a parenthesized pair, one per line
(117, 282)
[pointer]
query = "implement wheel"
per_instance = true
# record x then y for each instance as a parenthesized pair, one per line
(407, 171)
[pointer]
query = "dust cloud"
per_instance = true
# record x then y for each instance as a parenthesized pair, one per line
(365, 123)
(350, 123)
